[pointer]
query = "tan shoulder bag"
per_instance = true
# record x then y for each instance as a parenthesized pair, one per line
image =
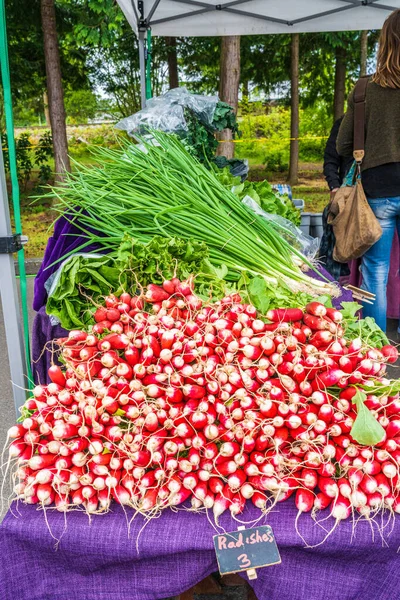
(354, 224)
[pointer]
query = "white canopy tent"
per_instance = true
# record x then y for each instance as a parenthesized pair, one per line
(192, 18)
(247, 17)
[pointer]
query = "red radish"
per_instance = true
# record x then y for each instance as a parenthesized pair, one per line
(317, 309)
(335, 315)
(390, 470)
(322, 501)
(222, 502)
(330, 378)
(236, 480)
(304, 500)
(16, 431)
(284, 315)
(390, 353)
(183, 379)
(315, 323)
(45, 493)
(341, 508)
(308, 478)
(56, 375)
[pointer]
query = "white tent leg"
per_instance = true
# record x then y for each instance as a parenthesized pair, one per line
(10, 303)
(142, 64)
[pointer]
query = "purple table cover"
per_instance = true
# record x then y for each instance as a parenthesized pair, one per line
(99, 561)
(66, 238)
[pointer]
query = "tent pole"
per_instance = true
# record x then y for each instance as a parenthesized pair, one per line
(10, 302)
(142, 65)
(148, 65)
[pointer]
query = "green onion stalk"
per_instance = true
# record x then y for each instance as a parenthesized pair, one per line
(157, 188)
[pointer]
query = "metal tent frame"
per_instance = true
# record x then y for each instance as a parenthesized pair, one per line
(234, 17)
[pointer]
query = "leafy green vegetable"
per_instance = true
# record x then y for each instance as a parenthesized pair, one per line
(366, 430)
(262, 193)
(200, 138)
(384, 389)
(366, 329)
(162, 258)
(259, 294)
(81, 282)
(265, 296)
(25, 414)
(161, 190)
(84, 279)
(325, 300)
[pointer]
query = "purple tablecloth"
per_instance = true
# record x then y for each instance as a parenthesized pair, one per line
(98, 561)
(66, 237)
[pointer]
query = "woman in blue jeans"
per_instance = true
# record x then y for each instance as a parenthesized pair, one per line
(380, 170)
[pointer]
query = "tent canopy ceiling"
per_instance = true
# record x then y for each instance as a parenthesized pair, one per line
(246, 17)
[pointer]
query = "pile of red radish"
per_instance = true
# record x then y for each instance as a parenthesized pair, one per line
(208, 403)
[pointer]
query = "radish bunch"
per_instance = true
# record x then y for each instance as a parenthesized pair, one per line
(168, 399)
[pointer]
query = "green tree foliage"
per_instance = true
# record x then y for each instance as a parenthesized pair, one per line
(27, 66)
(265, 63)
(80, 105)
(111, 50)
(317, 62)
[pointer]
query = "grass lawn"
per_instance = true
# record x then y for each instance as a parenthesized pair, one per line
(38, 216)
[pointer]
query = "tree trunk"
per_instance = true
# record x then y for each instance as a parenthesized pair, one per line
(364, 53)
(46, 108)
(294, 111)
(340, 83)
(229, 86)
(172, 58)
(55, 89)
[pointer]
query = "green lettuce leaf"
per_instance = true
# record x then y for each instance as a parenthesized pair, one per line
(366, 430)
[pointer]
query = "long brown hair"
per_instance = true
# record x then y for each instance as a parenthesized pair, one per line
(388, 65)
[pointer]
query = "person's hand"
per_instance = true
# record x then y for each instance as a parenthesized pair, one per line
(333, 192)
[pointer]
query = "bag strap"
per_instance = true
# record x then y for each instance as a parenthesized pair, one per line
(360, 92)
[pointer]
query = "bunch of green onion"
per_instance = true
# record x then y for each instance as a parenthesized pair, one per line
(158, 188)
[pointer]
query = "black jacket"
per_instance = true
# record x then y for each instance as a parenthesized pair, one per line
(335, 166)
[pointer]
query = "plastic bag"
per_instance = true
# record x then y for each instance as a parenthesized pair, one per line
(304, 243)
(240, 168)
(166, 112)
(237, 167)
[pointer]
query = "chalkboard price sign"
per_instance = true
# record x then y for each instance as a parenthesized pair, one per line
(246, 550)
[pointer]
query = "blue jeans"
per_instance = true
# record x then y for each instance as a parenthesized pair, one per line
(376, 261)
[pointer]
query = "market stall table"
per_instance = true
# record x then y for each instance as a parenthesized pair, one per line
(172, 553)
(169, 554)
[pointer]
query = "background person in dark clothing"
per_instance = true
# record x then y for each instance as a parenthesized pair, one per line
(335, 166)
(335, 169)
